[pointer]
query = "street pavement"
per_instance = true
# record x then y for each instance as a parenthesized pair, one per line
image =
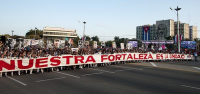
(129, 78)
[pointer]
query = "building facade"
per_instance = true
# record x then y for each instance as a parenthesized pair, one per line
(145, 32)
(52, 33)
(192, 32)
(183, 29)
(158, 31)
(166, 28)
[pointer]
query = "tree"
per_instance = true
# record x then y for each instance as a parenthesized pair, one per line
(16, 37)
(87, 38)
(117, 41)
(95, 38)
(76, 41)
(109, 43)
(31, 34)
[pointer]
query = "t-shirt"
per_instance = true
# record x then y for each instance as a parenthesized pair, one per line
(195, 54)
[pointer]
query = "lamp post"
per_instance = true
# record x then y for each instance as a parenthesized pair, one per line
(84, 28)
(83, 33)
(177, 9)
(12, 32)
(35, 33)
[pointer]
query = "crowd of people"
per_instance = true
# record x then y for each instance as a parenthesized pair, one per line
(37, 52)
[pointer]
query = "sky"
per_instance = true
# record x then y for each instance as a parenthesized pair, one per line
(104, 18)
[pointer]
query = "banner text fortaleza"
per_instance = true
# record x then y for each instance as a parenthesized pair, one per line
(69, 60)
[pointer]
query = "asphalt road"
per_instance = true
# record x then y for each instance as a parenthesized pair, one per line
(115, 79)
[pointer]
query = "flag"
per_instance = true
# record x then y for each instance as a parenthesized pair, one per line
(176, 39)
(146, 33)
(83, 38)
(181, 37)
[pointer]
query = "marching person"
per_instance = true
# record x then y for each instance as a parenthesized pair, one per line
(195, 55)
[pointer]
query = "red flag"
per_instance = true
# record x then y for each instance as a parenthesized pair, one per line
(146, 29)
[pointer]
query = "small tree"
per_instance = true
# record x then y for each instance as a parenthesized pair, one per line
(31, 34)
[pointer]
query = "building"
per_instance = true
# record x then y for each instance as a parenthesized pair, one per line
(158, 31)
(146, 32)
(183, 29)
(192, 32)
(165, 28)
(52, 33)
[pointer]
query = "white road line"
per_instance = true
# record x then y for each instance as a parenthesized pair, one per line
(50, 79)
(17, 81)
(153, 64)
(196, 68)
(68, 74)
(92, 74)
(190, 86)
(102, 70)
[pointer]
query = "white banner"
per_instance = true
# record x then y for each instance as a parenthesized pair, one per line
(122, 45)
(68, 60)
(113, 44)
(95, 44)
(27, 42)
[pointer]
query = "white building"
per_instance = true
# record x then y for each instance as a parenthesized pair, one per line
(192, 32)
(52, 33)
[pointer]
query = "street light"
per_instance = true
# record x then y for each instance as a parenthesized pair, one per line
(177, 9)
(35, 33)
(12, 32)
(84, 28)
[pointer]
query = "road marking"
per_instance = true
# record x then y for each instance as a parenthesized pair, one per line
(17, 81)
(166, 68)
(190, 86)
(92, 74)
(50, 79)
(102, 70)
(68, 74)
(153, 64)
(196, 68)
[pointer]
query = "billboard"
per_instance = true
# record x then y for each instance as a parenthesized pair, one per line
(188, 44)
(133, 43)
